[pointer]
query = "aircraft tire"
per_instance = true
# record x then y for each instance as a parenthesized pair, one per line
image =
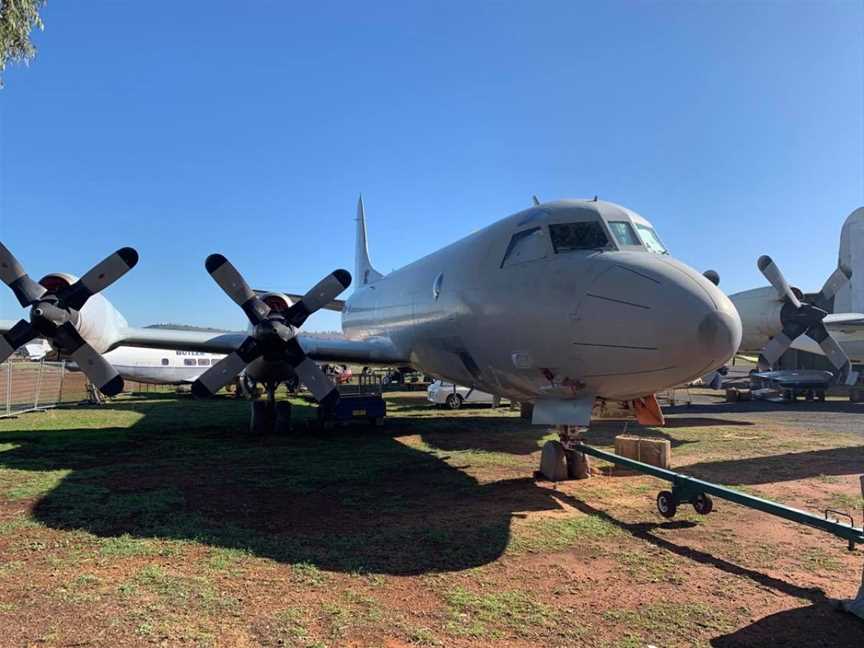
(282, 424)
(703, 504)
(666, 505)
(262, 419)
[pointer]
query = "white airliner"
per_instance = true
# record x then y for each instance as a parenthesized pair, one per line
(161, 366)
(558, 305)
(830, 322)
(151, 366)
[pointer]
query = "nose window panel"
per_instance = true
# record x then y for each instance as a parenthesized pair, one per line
(624, 233)
(527, 245)
(588, 235)
(651, 240)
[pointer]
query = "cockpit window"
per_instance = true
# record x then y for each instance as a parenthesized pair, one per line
(651, 240)
(527, 245)
(588, 235)
(624, 233)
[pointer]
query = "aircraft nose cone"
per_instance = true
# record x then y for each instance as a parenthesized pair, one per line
(708, 329)
(656, 321)
(719, 335)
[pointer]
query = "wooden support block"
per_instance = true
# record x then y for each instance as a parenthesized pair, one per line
(656, 452)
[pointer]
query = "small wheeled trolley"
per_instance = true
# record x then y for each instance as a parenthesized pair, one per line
(354, 408)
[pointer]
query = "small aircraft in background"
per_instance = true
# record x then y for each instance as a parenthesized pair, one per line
(561, 305)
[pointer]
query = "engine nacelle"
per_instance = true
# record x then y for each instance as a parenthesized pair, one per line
(759, 310)
(276, 301)
(99, 323)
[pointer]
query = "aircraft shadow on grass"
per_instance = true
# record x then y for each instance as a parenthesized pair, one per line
(447, 434)
(759, 405)
(819, 624)
(353, 500)
(785, 467)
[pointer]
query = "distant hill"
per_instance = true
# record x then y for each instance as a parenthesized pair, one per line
(324, 335)
(187, 327)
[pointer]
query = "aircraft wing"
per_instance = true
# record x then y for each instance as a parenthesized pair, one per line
(371, 351)
(797, 378)
(335, 305)
(180, 340)
(850, 323)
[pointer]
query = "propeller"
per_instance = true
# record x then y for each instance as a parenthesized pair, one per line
(55, 316)
(803, 318)
(274, 333)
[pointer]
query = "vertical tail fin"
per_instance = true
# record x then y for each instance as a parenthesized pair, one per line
(850, 298)
(364, 273)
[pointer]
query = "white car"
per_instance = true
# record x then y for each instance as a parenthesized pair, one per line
(443, 393)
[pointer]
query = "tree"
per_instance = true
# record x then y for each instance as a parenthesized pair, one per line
(17, 19)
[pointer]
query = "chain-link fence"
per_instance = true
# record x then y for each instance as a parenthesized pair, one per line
(27, 386)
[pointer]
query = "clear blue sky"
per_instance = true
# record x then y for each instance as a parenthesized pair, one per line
(186, 128)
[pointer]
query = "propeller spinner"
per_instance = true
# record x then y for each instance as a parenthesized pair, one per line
(273, 333)
(54, 315)
(802, 318)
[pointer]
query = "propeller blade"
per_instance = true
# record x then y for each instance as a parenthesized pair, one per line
(15, 338)
(98, 278)
(224, 371)
(12, 274)
(232, 282)
(837, 280)
(310, 374)
(833, 351)
(772, 273)
(321, 294)
(776, 347)
(97, 369)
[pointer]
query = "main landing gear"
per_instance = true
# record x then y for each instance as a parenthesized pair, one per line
(270, 416)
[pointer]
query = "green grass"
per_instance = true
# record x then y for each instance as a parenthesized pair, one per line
(80, 590)
(292, 623)
(664, 620)
(227, 559)
(489, 615)
(557, 533)
(164, 509)
(649, 566)
(847, 503)
(308, 574)
(29, 484)
(819, 561)
(125, 546)
(176, 590)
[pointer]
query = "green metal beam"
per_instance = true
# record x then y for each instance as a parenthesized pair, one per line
(685, 487)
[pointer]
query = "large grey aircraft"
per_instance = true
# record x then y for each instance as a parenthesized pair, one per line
(558, 305)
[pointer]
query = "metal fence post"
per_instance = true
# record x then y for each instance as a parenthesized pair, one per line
(8, 387)
(38, 385)
(62, 376)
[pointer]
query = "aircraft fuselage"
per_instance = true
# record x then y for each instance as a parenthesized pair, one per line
(528, 320)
